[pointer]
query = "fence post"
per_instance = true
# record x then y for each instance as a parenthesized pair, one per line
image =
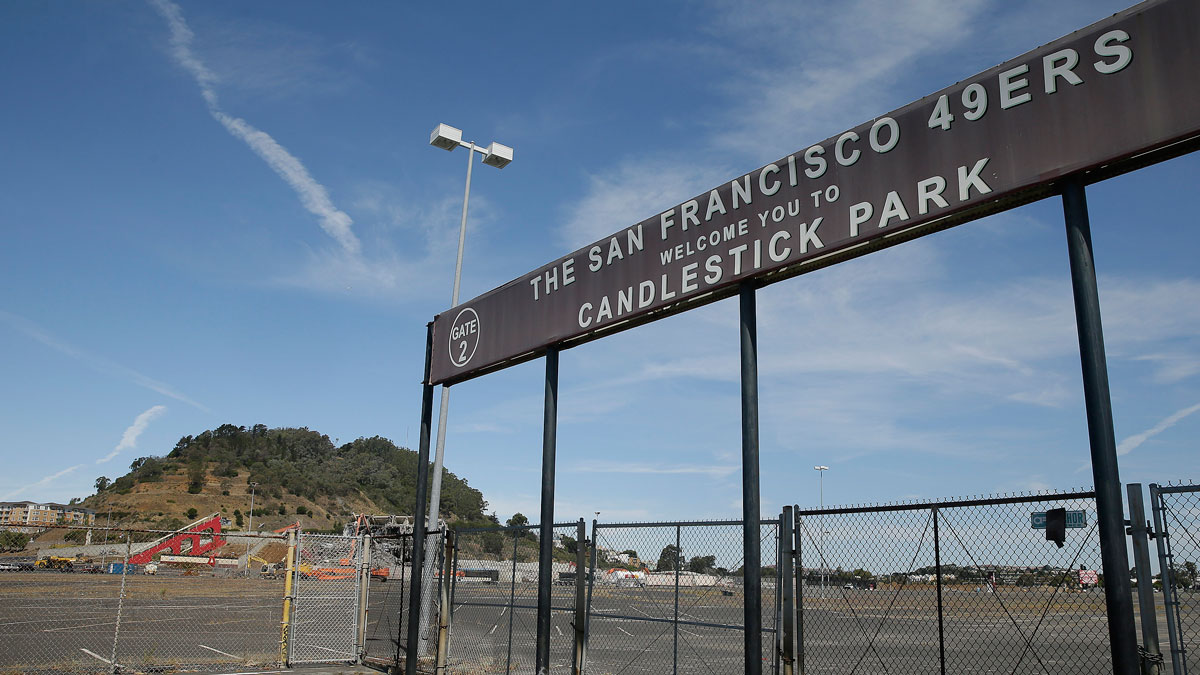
(799, 542)
(1163, 540)
(1151, 653)
(937, 566)
(285, 624)
(787, 578)
(121, 600)
(580, 596)
(587, 617)
(675, 623)
(777, 615)
(443, 645)
(512, 602)
(364, 585)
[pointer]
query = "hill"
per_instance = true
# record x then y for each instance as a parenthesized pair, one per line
(300, 475)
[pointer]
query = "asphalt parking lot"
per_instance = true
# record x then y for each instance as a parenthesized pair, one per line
(65, 623)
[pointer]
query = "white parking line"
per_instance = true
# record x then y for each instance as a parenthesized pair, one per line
(94, 654)
(232, 656)
(559, 631)
(110, 623)
(624, 631)
(493, 630)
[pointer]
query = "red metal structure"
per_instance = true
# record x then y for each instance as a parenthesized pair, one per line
(204, 536)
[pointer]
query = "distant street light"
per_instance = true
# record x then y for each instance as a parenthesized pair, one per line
(448, 138)
(821, 469)
(250, 527)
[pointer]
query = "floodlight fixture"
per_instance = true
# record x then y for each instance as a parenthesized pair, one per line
(445, 137)
(498, 155)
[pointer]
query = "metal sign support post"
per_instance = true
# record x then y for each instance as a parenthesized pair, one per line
(1113, 553)
(546, 536)
(751, 530)
(418, 554)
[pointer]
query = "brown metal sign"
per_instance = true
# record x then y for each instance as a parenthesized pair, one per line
(1116, 95)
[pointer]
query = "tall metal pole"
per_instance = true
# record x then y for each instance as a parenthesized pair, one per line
(1113, 553)
(1145, 579)
(435, 491)
(751, 536)
(418, 555)
(546, 543)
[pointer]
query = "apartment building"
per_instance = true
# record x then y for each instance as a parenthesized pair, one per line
(33, 514)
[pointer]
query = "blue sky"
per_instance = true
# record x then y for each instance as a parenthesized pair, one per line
(228, 212)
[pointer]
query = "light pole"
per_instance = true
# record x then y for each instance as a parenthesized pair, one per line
(448, 138)
(821, 469)
(250, 527)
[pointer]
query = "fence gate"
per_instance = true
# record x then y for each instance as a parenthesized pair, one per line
(1177, 522)
(325, 611)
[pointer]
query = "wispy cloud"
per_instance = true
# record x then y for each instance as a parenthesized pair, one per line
(313, 196)
(129, 438)
(43, 482)
(96, 363)
(1131, 443)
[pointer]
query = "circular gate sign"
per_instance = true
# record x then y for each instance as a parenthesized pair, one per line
(464, 337)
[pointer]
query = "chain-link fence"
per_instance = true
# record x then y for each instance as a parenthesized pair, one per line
(670, 598)
(389, 583)
(1177, 522)
(325, 611)
(494, 593)
(197, 603)
(968, 586)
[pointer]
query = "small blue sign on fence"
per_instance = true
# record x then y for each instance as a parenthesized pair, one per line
(1075, 519)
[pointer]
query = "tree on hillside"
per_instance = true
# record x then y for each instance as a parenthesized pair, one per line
(702, 564)
(518, 520)
(102, 483)
(668, 559)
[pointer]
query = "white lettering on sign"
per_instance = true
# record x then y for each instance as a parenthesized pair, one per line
(464, 337)
(961, 152)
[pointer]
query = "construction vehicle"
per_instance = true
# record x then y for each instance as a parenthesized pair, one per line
(269, 570)
(55, 563)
